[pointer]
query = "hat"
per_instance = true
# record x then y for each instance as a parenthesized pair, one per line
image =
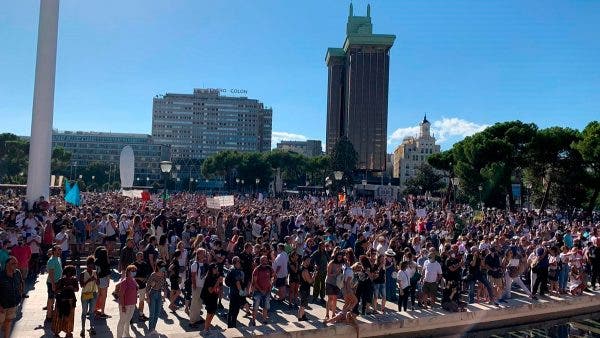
(390, 253)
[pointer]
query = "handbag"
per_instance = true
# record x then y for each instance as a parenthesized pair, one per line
(415, 278)
(87, 295)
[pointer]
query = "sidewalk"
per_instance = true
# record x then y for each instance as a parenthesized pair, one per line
(282, 321)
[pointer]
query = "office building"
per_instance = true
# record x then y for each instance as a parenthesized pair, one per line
(413, 152)
(308, 148)
(206, 122)
(357, 92)
(88, 147)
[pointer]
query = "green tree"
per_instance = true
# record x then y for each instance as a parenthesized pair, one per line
(13, 159)
(589, 148)
(426, 180)
(61, 160)
(490, 159)
(554, 163)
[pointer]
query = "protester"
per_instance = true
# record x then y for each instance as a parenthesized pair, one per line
(128, 291)
(157, 283)
(63, 318)
(11, 289)
(88, 280)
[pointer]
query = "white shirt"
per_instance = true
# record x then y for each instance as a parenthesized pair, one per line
(29, 224)
(281, 262)
(431, 271)
(403, 279)
(64, 246)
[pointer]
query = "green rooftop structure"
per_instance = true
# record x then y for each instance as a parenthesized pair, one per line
(357, 91)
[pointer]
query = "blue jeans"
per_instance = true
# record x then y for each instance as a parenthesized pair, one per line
(379, 291)
(563, 277)
(483, 280)
(391, 286)
(155, 309)
(63, 257)
(87, 308)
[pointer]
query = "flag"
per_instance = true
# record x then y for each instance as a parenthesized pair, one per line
(145, 196)
(67, 187)
(342, 198)
(73, 196)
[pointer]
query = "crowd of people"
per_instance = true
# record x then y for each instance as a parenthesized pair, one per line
(295, 251)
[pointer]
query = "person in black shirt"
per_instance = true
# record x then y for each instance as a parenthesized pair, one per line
(236, 292)
(150, 253)
(474, 274)
(11, 289)
(307, 277)
(143, 272)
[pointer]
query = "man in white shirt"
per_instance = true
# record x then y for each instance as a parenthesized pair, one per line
(62, 239)
(432, 273)
(280, 266)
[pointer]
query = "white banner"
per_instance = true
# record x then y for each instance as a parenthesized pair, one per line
(132, 193)
(226, 201)
(213, 203)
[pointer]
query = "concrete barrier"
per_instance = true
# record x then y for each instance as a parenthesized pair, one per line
(442, 324)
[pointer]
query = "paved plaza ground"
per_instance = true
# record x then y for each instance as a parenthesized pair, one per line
(30, 321)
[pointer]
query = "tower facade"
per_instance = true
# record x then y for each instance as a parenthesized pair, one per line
(357, 91)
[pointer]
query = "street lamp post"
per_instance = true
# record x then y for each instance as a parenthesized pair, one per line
(257, 181)
(237, 184)
(165, 168)
(455, 182)
(480, 188)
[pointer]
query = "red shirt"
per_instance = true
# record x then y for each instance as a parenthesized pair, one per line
(22, 253)
(262, 275)
(128, 291)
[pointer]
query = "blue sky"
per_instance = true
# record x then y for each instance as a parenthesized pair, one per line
(467, 64)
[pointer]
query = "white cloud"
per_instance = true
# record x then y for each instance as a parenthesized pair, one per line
(278, 136)
(443, 130)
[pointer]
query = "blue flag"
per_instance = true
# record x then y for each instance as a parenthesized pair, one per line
(67, 187)
(73, 196)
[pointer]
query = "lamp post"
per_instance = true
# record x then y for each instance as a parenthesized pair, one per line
(257, 181)
(165, 168)
(455, 182)
(242, 185)
(480, 188)
(237, 184)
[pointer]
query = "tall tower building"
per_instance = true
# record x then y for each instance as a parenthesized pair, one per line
(357, 91)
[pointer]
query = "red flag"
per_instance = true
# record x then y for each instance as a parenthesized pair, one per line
(145, 196)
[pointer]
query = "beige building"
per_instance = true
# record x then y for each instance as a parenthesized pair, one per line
(413, 152)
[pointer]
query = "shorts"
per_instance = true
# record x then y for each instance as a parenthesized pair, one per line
(331, 290)
(379, 290)
(141, 294)
(279, 282)
(430, 288)
(50, 291)
(8, 314)
(304, 296)
(103, 282)
(259, 299)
